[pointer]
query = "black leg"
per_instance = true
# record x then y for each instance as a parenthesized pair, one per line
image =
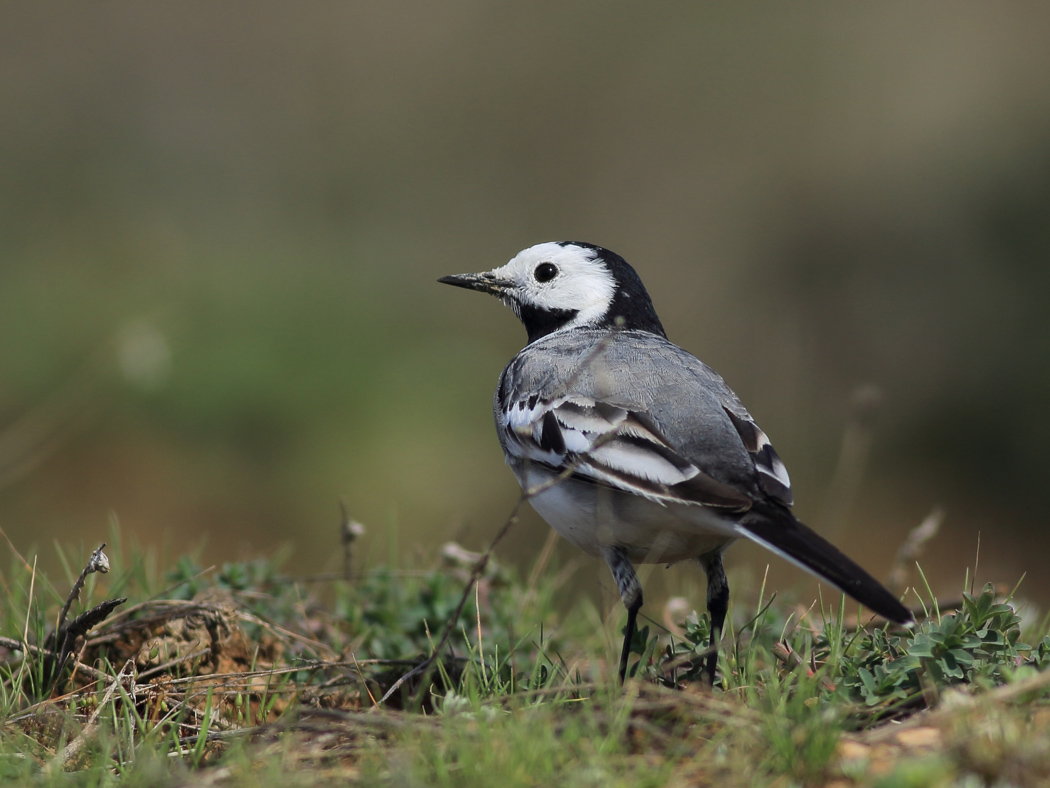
(717, 604)
(631, 594)
(628, 635)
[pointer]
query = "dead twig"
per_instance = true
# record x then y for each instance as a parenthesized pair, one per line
(853, 458)
(782, 650)
(64, 639)
(349, 532)
(98, 562)
(911, 548)
(425, 667)
(47, 653)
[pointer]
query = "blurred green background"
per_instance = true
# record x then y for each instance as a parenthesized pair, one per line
(221, 226)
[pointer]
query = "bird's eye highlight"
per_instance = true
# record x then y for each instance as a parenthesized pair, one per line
(545, 272)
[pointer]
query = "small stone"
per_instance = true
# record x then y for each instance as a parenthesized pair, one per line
(853, 750)
(919, 737)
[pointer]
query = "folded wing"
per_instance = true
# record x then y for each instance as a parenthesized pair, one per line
(610, 445)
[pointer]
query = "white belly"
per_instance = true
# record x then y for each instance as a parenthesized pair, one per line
(592, 516)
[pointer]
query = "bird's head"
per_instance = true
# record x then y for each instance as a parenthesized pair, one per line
(563, 285)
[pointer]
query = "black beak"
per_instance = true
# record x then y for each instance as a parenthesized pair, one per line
(483, 283)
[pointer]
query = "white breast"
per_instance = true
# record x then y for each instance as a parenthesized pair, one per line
(592, 516)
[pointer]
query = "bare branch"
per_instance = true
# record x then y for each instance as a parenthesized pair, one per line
(99, 562)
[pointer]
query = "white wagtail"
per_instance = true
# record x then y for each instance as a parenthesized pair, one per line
(640, 451)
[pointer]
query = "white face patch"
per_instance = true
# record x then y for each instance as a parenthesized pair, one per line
(578, 281)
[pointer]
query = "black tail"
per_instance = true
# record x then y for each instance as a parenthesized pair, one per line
(772, 525)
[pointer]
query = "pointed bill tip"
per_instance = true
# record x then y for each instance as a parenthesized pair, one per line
(454, 279)
(483, 283)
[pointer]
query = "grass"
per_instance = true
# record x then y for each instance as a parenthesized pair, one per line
(236, 675)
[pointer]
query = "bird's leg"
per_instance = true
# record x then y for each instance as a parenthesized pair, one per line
(631, 594)
(717, 604)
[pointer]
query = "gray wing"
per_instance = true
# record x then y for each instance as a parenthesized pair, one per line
(635, 412)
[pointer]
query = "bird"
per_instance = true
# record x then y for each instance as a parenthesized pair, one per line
(633, 449)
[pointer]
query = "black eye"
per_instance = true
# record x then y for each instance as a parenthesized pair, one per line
(545, 272)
